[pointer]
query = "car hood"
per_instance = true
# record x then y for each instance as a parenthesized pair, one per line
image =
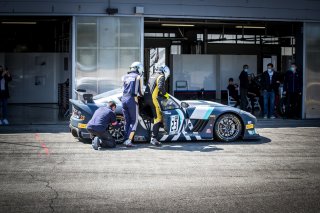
(202, 103)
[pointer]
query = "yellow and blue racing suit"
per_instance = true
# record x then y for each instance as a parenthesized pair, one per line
(155, 88)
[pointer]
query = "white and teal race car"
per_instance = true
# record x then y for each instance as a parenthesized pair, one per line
(191, 120)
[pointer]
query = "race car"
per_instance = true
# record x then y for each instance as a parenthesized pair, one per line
(191, 120)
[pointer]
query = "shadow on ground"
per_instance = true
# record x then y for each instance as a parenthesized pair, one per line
(204, 146)
(287, 123)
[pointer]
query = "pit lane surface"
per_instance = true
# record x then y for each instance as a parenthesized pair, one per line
(44, 169)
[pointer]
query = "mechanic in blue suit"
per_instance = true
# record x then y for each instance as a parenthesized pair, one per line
(132, 88)
(98, 126)
(156, 88)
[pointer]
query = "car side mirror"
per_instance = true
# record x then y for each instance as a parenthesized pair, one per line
(184, 105)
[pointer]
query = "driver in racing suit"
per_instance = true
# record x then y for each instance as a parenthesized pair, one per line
(132, 88)
(155, 88)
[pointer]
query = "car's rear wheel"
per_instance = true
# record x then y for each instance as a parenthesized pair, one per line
(118, 134)
(228, 127)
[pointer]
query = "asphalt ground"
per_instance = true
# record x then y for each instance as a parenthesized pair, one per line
(44, 169)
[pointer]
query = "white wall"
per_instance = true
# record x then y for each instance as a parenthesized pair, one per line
(35, 77)
(231, 66)
(198, 70)
(210, 72)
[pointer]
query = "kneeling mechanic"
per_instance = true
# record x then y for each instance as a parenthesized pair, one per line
(98, 126)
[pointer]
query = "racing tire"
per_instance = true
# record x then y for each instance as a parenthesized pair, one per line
(228, 127)
(118, 134)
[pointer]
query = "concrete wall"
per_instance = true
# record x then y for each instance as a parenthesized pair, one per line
(231, 9)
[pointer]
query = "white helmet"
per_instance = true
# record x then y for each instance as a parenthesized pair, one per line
(137, 66)
(164, 69)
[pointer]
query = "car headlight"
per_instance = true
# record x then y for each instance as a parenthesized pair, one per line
(77, 114)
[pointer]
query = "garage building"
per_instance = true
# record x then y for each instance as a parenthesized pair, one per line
(53, 48)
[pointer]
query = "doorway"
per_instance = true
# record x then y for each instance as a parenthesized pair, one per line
(36, 50)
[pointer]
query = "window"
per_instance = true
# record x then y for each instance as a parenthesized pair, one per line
(175, 49)
(105, 48)
(169, 104)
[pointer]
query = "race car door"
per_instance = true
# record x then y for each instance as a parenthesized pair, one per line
(173, 116)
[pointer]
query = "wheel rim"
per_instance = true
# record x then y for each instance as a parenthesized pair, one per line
(118, 134)
(229, 127)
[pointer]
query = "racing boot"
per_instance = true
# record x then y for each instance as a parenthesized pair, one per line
(155, 142)
(128, 143)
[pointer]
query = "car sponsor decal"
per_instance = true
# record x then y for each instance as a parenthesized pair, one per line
(249, 126)
(82, 125)
(201, 112)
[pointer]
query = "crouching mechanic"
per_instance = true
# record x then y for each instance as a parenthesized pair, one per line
(156, 88)
(132, 88)
(98, 126)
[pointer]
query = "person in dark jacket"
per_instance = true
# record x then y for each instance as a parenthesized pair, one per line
(270, 84)
(98, 126)
(5, 78)
(244, 83)
(233, 91)
(292, 89)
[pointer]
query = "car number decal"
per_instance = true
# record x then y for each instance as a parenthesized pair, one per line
(174, 124)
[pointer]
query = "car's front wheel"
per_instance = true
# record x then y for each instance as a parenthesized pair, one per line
(118, 134)
(228, 127)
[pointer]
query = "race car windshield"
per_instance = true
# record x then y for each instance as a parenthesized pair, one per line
(107, 94)
(176, 100)
(171, 103)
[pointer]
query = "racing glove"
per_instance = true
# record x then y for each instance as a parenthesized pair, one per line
(166, 95)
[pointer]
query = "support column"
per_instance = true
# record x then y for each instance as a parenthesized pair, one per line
(218, 81)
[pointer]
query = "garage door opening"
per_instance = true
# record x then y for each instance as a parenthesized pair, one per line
(36, 51)
(204, 54)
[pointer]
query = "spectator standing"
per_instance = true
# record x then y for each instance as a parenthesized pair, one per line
(270, 86)
(233, 91)
(5, 77)
(244, 83)
(292, 89)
